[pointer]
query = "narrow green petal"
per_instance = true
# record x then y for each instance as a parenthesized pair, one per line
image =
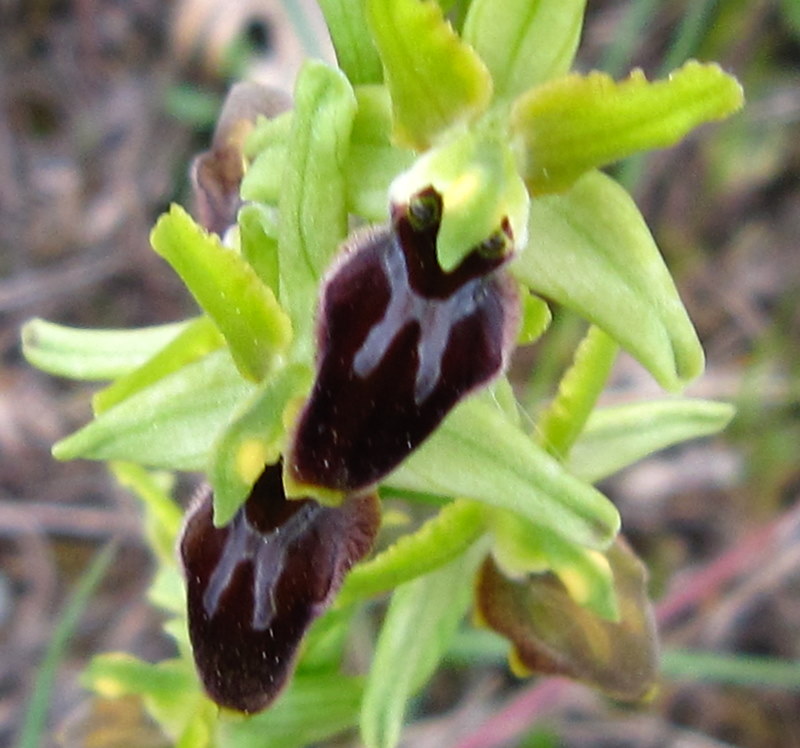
(437, 542)
(617, 437)
(576, 123)
(92, 355)
(590, 250)
(434, 78)
(228, 289)
(524, 42)
(478, 454)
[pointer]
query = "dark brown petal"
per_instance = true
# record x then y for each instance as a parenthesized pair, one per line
(552, 634)
(399, 344)
(255, 586)
(217, 173)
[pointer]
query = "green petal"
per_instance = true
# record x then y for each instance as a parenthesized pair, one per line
(254, 439)
(617, 437)
(197, 339)
(258, 239)
(591, 251)
(419, 626)
(92, 355)
(576, 123)
(355, 51)
(438, 541)
(171, 424)
(524, 42)
(435, 79)
(478, 454)
(228, 289)
(268, 145)
(313, 209)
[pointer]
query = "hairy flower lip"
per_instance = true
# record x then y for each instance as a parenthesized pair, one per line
(400, 343)
(256, 585)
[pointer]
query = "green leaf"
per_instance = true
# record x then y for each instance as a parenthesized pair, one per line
(172, 424)
(313, 210)
(617, 437)
(576, 123)
(524, 42)
(373, 161)
(420, 623)
(163, 516)
(92, 355)
(590, 250)
(258, 240)
(310, 710)
(254, 439)
(197, 339)
(355, 51)
(228, 289)
(553, 634)
(447, 535)
(435, 80)
(478, 454)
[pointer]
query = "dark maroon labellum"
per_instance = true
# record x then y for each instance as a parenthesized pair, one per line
(255, 586)
(400, 343)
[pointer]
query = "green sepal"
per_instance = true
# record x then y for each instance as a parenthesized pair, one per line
(355, 50)
(478, 454)
(92, 355)
(590, 250)
(521, 547)
(313, 207)
(373, 160)
(620, 436)
(197, 339)
(255, 438)
(171, 424)
(476, 176)
(438, 541)
(436, 81)
(420, 624)
(524, 42)
(576, 123)
(258, 242)
(227, 288)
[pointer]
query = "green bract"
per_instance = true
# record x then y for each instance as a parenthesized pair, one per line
(491, 123)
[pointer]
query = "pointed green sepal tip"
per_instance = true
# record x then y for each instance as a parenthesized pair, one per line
(575, 123)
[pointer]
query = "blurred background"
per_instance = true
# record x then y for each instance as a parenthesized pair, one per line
(102, 105)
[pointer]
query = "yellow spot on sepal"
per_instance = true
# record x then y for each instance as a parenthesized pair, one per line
(251, 457)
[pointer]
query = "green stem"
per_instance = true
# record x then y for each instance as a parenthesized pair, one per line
(36, 716)
(738, 670)
(581, 385)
